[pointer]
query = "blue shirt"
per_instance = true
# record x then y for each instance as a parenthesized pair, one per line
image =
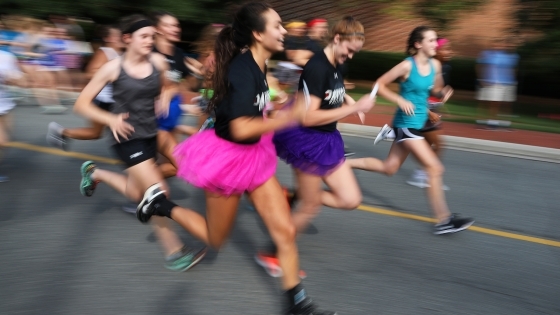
(8, 36)
(499, 66)
(415, 89)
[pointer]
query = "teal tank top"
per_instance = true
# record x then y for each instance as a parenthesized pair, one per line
(415, 89)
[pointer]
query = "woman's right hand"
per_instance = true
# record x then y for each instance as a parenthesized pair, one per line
(120, 127)
(364, 104)
(406, 106)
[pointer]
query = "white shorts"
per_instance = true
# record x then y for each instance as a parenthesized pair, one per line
(497, 93)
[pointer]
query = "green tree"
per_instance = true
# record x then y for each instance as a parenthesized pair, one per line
(202, 11)
(440, 12)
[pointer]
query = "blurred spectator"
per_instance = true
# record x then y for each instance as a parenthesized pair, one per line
(295, 43)
(72, 28)
(497, 83)
(317, 30)
(9, 74)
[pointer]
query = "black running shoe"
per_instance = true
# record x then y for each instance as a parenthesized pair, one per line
(144, 211)
(453, 225)
(306, 307)
(291, 196)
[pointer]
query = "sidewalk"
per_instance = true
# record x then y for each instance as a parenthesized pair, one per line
(526, 137)
(531, 145)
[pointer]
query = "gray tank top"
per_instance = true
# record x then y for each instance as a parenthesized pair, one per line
(137, 97)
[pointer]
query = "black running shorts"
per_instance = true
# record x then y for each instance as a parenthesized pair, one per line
(402, 134)
(136, 151)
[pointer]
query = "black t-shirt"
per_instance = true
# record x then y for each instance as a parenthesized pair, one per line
(314, 45)
(177, 68)
(324, 81)
(247, 95)
(446, 73)
(295, 43)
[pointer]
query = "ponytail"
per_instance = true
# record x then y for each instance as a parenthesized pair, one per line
(224, 50)
(231, 41)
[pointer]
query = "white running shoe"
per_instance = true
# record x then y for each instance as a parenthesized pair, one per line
(55, 137)
(383, 134)
(53, 109)
(420, 179)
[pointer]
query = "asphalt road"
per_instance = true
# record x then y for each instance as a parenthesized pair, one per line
(62, 253)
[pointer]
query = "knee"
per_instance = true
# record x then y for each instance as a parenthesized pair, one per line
(351, 202)
(285, 233)
(309, 207)
(391, 170)
(435, 170)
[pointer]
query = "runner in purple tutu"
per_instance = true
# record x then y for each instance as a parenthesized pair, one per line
(238, 156)
(316, 150)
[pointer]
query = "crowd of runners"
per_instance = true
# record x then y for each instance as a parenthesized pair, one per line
(250, 114)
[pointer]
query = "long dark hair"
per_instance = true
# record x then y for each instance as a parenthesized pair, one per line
(156, 16)
(231, 40)
(416, 36)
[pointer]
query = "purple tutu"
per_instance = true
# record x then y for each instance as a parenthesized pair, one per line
(310, 151)
(224, 167)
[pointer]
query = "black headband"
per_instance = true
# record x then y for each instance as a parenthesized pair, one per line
(352, 34)
(137, 25)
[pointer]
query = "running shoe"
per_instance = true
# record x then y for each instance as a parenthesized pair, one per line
(54, 109)
(185, 259)
(291, 196)
(271, 265)
(348, 153)
(144, 211)
(129, 208)
(307, 307)
(420, 179)
(453, 225)
(55, 137)
(87, 185)
(383, 134)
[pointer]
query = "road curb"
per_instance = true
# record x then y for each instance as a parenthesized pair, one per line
(515, 150)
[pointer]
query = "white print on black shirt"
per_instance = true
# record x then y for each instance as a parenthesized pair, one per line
(261, 100)
(335, 97)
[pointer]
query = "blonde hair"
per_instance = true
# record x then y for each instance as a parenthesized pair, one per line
(205, 43)
(348, 29)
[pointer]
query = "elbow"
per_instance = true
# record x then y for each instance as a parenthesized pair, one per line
(76, 109)
(239, 134)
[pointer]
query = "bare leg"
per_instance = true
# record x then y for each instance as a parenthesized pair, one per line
(166, 144)
(142, 176)
(309, 197)
(273, 208)
(88, 133)
(426, 156)
(344, 190)
(5, 129)
(434, 140)
(389, 166)
(220, 216)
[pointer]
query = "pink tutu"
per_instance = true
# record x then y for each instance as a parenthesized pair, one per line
(220, 166)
